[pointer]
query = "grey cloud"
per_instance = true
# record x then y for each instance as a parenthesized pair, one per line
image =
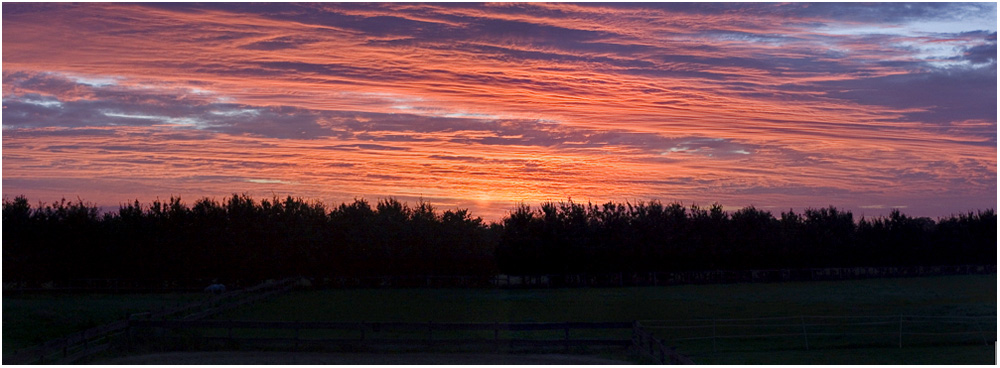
(341, 164)
(534, 133)
(74, 132)
(278, 122)
(333, 14)
(14, 10)
(804, 191)
(986, 53)
(44, 83)
(118, 106)
(368, 122)
(367, 147)
(878, 13)
(948, 95)
(483, 160)
(460, 158)
(982, 54)
(673, 182)
(24, 112)
(278, 43)
(143, 161)
(710, 147)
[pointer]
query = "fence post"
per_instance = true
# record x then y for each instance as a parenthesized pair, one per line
(980, 329)
(714, 334)
(430, 331)
(643, 340)
(900, 331)
(296, 335)
(128, 333)
(566, 335)
(635, 334)
(663, 357)
(804, 334)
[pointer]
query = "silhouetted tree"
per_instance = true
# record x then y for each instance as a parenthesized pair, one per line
(241, 239)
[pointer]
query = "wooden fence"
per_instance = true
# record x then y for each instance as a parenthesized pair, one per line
(613, 279)
(608, 279)
(111, 286)
(76, 346)
(645, 343)
(378, 335)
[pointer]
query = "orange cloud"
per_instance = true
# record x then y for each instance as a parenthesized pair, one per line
(487, 105)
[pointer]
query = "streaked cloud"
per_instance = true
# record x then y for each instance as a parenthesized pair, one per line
(486, 105)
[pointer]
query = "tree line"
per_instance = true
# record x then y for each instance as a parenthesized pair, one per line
(570, 237)
(240, 239)
(243, 239)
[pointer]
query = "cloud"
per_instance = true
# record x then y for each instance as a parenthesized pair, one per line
(268, 181)
(715, 147)
(939, 97)
(279, 43)
(367, 147)
(982, 54)
(489, 102)
(57, 102)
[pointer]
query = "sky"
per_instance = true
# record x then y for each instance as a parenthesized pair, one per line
(866, 107)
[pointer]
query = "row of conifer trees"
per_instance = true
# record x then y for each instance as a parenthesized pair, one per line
(571, 237)
(243, 239)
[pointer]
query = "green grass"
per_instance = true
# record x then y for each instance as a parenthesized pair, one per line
(33, 319)
(926, 296)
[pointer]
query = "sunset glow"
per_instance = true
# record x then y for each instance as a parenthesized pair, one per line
(867, 107)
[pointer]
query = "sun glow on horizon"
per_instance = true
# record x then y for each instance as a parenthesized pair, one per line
(481, 106)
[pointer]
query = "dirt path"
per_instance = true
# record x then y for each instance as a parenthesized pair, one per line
(245, 358)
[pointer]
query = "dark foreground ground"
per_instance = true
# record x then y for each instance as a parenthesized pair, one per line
(29, 319)
(246, 358)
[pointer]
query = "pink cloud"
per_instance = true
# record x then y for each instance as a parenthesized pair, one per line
(755, 103)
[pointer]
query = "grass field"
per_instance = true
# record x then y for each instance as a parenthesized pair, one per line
(31, 319)
(35, 318)
(926, 296)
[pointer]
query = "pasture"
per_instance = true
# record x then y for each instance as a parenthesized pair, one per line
(925, 296)
(30, 319)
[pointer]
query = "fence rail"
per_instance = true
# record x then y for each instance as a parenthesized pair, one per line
(73, 347)
(645, 343)
(381, 334)
(819, 332)
(397, 326)
(594, 279)
(730, 276)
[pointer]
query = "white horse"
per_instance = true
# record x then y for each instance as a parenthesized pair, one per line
(216, 288)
